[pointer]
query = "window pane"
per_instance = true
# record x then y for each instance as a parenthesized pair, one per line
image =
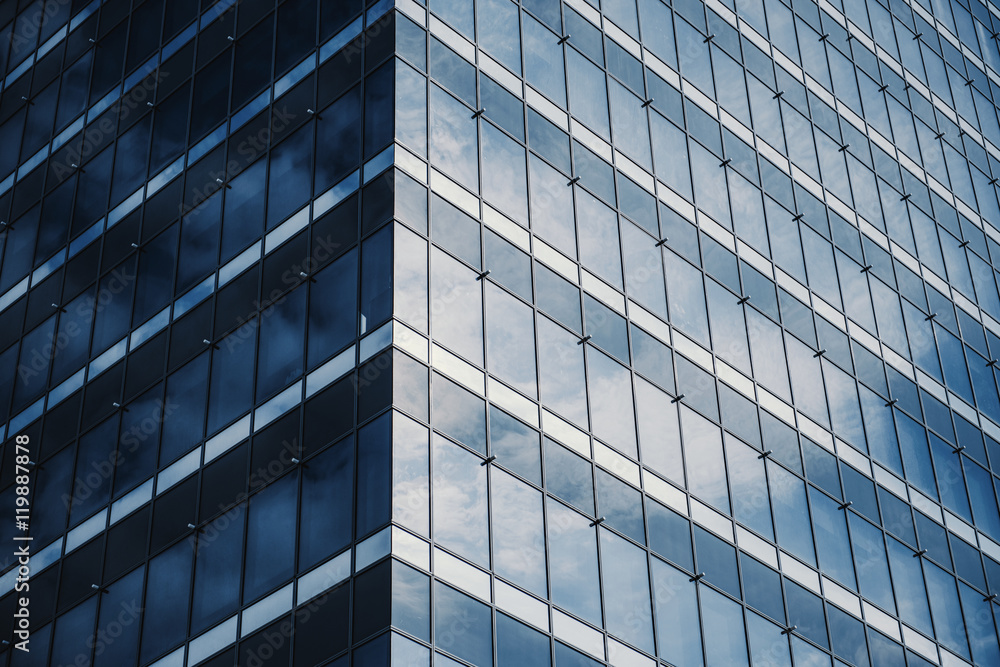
(561, 379)
(723, 623)
(552, 207)
(518, 533)
(706, 467)
(459, 501)
(573, 547)
(611, 398)
(788, 497)
(327, 494)
(677, 626)
(626, 591)
(463, 625)
(458, 311)
(506, 188)
(217, 570)
(270, 550)
(510, 340)
(453, 139)
(588, 94)
(599, 247)
(517, 644)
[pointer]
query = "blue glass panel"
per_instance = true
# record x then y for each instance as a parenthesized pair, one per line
(552, 207)
(411, 111)
(979, 627)
(677, 626)
(502, 107)
(627, 606)
(832, 543)
(573, 547)
(717, 560)
(588, 93)
(671, 153)
(290, 175)
(621, 505)
(669, 534)
(543, 61)
(462, 625)
(518, 644)
(498, 33)
(411, 592)
(327, 493)
(659, 431)
(845, 411)
(881, 434)
(643, 270)
(459, 14)
(164, 618)
(949, 626)
(703, 456)
(219, 551)
(950, 478)
(507, 185)
(658, 30)
(515, 445)
(117, 606)
(762, 588)
(569, 476)
(686, 297)
(231, 389)
(612, 416)
(768, 647)
(631, 129)
(510, 340)
(722, 621)
(72, 632)
(453, 139)
(599, 246)
(270, 549)
(459, 414)
(871, 562)
(460, 504)
(458, 310)
(333, 308)
(749, 487)
(374, 474)
(453, 72)
(518, 533)
(805, 610)
(729, 332)
(768, 354)
(281, 348)
(561, 379)
(788, 497)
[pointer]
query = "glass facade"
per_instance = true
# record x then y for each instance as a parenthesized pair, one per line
(481, 332)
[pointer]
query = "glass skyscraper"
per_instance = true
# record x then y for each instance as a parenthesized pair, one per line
(480, 332)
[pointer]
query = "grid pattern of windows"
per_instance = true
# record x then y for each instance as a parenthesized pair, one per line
(481, 332)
